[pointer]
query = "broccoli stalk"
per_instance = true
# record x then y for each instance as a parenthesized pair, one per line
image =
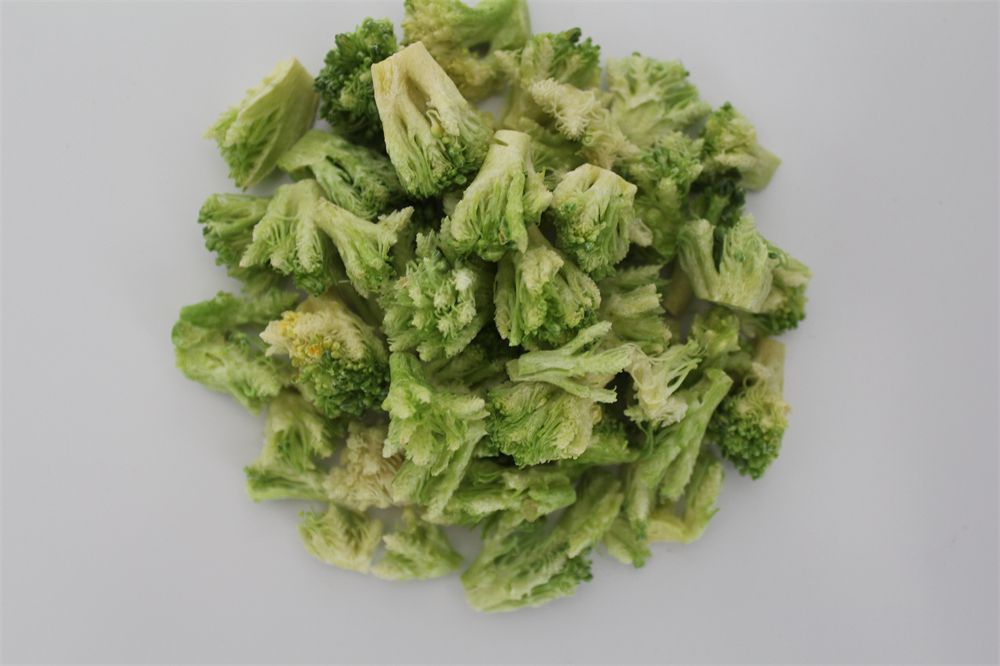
(700, 495)
(630, 301)
(229, 221)
(417, 549)
(342, 537)
(364, 476)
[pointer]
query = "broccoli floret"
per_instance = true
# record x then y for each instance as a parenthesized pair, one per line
(608, 445)
(212, 348)
(229, 221)
(347, 98)
(553, 55)
(441, 303)
(719, 200)
(700, 495)
(464, 39)
(435, 138)
(785, 305)
(253, 134)
(592, 210)
(716, 332)
(541, 297)
(364, 477)
(355, 178)
(506, 197)
(623, 542)
(342, 363)
(731, 143)
(417, 549)
(342, 537)
(651, 98)
(751, 421)
(483, 361)
(630, 300)
(654, 381)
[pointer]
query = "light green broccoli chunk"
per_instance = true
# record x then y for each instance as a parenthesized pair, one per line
(522, 565)
(253, 134)
(435, 138)
(464, 39)
(664, 174)
(295, 436)
(631, 302)
(739, 275)
(700, 495)
(229, 221)
(364, 477)
(730, 142)
(417, 549)
(716, 332)
(592, 210)
(718, 199)
(289, 240)
(542, 298)
(355, 178)
(651, 98)
(506, 197)
(436, 431)
(750, 423)
(441, 303)
(343, 365)
(608, 445)
(347, 98)
(342, 537)
(212, 348)
(644, 477)
(553, 55)
(785, 305)
(364, 246)
(655, 380)
(623, 542)
(483, 361)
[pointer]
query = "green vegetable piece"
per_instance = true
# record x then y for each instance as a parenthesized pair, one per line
(593, 213)
(441, 303)
(541, 297)
(343, 364)
(719, 200)
(484, 360)
(506, 197)
(342, 537)
(651, 98)
(751, 421)
(731, 143)
(655, 378)
(785, 305)
(227, 311)
(295, 434)
(716, 332)
(417, 549)
(700, 496)
(553, 55)
(364, 477)
(253, 134)
(347, 97)
(355, 178)
(608, 445)
(463, 39)
(630, 301)
(229, 221)
(435, 138)
(623, 542)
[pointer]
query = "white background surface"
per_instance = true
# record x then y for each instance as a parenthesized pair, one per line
(126, 533)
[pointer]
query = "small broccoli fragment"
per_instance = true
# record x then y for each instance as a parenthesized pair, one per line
(731, 143)
(655, 379)
(739, 275)
(506, 197)
(436, 430)
(593, 213)
(363, 246)
(751, 421)
(342, 364)
(521, 565)
(211, 348)
(643, 477)
(435, 138)
(608, 445)
(417, 549)
(623, 542)
(541, 297)
(364, 477)
(651, 98)
(463, 39)
(700, 496)
(342, 537)
(630, 301)
(229, 221)
(441, 303)
(785, 305)
(716, 332)
(347, 97)
(295, 434)
(288, 238)
(255, 133)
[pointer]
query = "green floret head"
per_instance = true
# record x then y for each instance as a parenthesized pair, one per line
(342, 537)
(255, 133)
(464, 39)
(347, 97)
(751, 421)
(441, 303)
(785, 306)
(295, 436)
(506, 197)
(700, 495)
(655, 379)
(631, 302)
(730, 142)
(435, 138)
(542, 298)
(342, 363)
(416, 550)
(289, 240)
(229, 221)
(651, 98)
(554, 55)
(592, 210)
(355, 178)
